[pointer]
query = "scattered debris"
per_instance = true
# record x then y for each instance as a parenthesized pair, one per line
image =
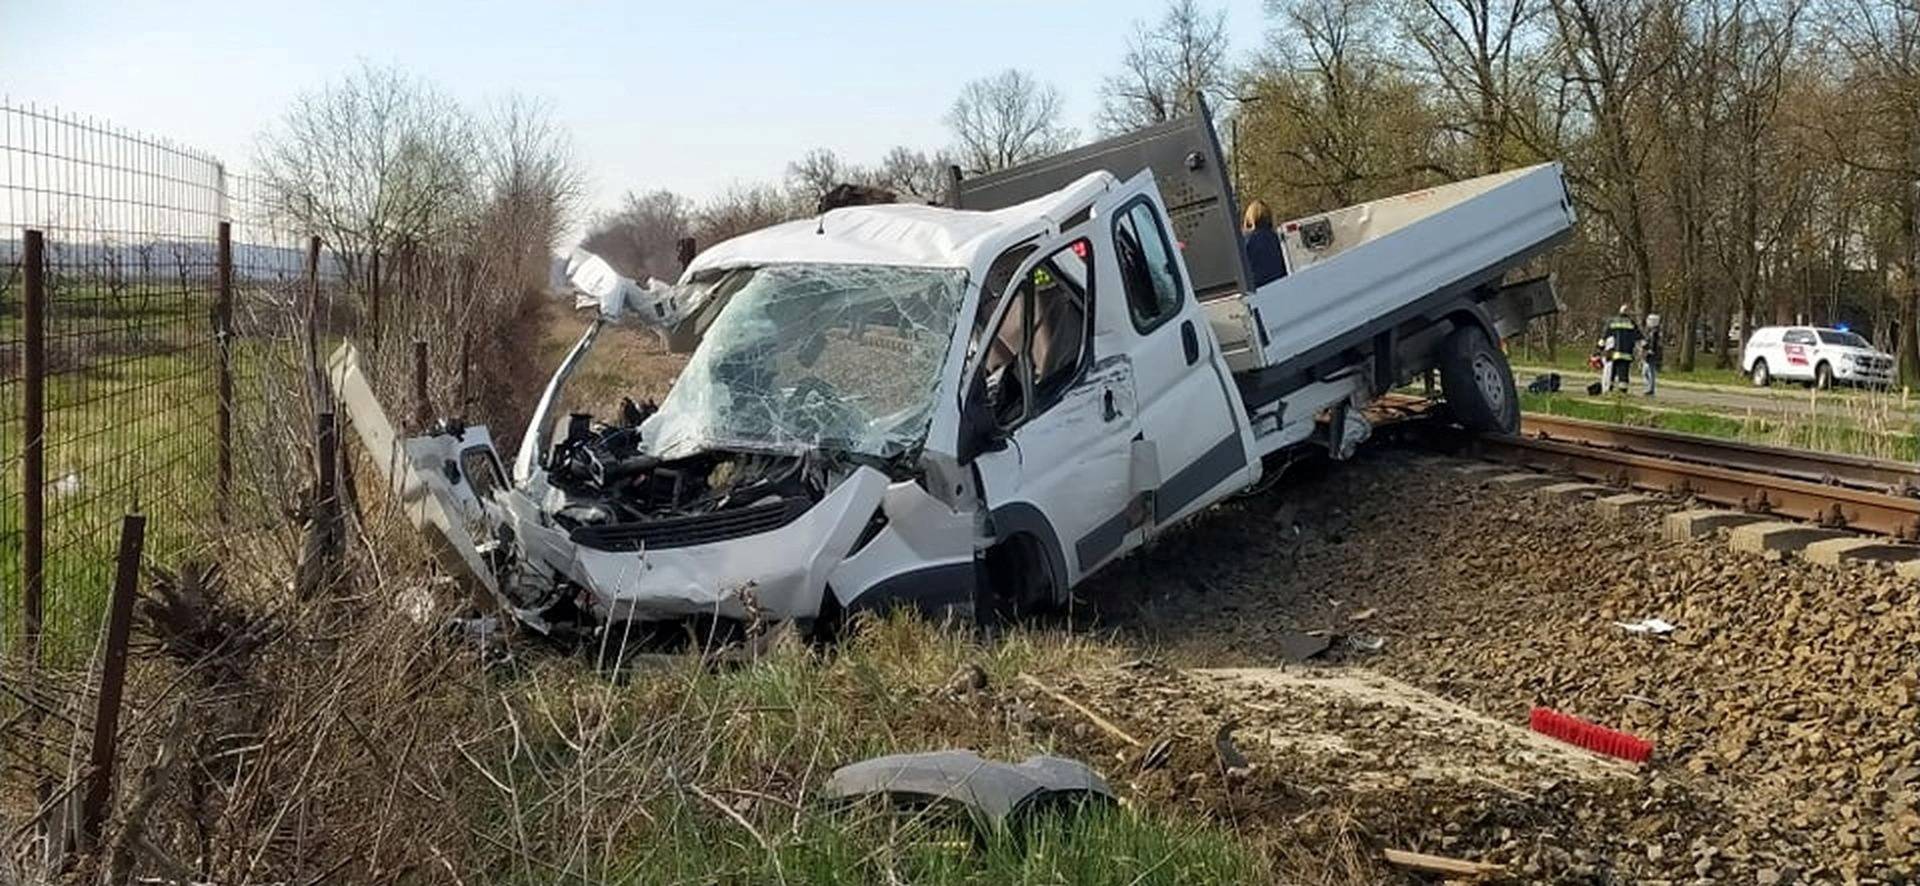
(1097, 720)
(1156, 755)
(1232, 762)
(1363, 643)
(1653, 626)
(1362, 615)
(970, 678)
(993, 793)
(1299, 646)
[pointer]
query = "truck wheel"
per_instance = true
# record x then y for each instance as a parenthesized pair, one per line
(1761, 377)
(1478, 383)
(1017, 583)
(1823, 376)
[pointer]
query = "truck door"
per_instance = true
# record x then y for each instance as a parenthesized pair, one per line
(1063, 412)
(1190, 419)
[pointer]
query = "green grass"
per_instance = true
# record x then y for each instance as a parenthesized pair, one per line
(1852, 431)
(1573, 362)
(134, 428)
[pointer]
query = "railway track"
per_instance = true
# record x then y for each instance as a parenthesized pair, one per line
(1839, 491)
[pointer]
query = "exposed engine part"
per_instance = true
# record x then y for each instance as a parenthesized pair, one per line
(619, 497)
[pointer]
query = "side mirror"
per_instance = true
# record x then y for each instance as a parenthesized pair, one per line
(979, 428)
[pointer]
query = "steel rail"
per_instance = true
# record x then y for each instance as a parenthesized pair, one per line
(1870, 474)
(1839, 491)
(1753, 491)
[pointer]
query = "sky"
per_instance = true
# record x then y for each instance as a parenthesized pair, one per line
(690, 96)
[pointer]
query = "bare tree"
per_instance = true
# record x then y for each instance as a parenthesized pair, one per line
(1879, 41)
(914, 175)
(1006, 119)
(640, 238)
(817, 172)
(1469, 49)
(529, 182)
(1327, 119)
(1611, 60)
(1167, 63)
(740, 209)
(377, 162)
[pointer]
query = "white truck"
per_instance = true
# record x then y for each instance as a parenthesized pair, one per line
(982, 404)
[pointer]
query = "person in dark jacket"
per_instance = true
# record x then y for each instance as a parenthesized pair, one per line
(1264, 257)
(1617, 344)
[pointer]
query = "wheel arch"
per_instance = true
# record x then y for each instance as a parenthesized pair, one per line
(1019, 519)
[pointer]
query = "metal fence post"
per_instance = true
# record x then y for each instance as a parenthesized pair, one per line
(422, 410)
(373, 297)
(466, 366)
(320, 550)
(224, 332)
(33, 456)
(113, 680)
(315, 389)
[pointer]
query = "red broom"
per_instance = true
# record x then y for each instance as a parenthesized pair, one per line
(1592, 736)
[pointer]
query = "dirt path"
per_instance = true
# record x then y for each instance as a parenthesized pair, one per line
(1783, 709)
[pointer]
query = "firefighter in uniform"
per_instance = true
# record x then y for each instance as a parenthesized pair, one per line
(1617, 344)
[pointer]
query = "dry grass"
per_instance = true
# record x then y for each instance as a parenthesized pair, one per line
(366, 742)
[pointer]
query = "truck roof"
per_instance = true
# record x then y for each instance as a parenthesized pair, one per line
(903, 235)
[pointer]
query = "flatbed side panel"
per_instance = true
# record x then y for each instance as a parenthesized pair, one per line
(1354, 289)
(1332, 233)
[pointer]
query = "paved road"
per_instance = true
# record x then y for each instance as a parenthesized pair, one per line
(1781, 399)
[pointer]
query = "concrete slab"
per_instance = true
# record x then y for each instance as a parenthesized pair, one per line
(1858, 549)
(1775, 538)
(1629, 504)
(1573, 492)
(1688, 525)
(1522, 481)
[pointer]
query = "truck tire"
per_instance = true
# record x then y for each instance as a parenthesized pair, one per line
(1823, 376)
(1478, 383)
(1761, 377)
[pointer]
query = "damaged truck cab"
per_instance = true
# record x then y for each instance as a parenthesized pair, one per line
(973, 407)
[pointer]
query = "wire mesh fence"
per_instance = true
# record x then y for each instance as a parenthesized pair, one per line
(163, 324)
(111, 357)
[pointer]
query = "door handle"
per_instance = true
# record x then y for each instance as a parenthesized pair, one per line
(1190, 340)
(1109, 411)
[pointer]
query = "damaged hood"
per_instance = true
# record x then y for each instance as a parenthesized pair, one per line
(815, 356)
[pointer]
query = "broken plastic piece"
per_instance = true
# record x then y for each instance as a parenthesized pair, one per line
(994, 793)
(1645, 626)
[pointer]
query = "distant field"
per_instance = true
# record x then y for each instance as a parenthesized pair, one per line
(132, 419)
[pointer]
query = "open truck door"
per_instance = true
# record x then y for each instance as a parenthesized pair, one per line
(1056, 413)
(1181, 382)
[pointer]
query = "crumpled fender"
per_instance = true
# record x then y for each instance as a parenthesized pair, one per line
(783, 572)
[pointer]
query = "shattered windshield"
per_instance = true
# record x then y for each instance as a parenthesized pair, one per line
(813, 355)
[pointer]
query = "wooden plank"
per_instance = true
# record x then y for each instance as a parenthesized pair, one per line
(1440, 864)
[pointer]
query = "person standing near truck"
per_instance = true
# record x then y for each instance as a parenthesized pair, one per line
(1264, 257)
(1650, 353)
